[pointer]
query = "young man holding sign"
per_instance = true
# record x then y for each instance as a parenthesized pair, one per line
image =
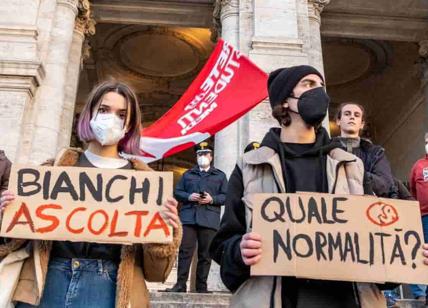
(88, 273)
(298, 157)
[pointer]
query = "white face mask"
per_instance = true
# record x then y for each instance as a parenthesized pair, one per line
(203, 161)
(426, 148)
(107, 128)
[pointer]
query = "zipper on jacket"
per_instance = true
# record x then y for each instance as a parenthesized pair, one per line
(272, 293)
(277, 184)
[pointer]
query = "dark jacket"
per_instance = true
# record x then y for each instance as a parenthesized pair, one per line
(403, 192)
(378, 172)
(260, 171)
(193, 180)
(5, 165)
(419, 183)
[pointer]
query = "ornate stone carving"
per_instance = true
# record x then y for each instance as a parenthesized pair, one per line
(423, 49)
(423, 61)
(216, 27)
(68, 2)
(72, 4)
(316, 7)
(221, 8)
(86, 51)
(85, 22)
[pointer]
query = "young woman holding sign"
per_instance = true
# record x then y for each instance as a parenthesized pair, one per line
(78, 274)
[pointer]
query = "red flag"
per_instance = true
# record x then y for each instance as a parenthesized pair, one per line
(227, 87)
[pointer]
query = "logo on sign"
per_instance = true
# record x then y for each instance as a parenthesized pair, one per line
(425, 174)
(382, 214)
(217, 81)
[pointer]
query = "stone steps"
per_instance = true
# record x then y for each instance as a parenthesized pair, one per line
(221, 300)
(410, 303)
(189, 300)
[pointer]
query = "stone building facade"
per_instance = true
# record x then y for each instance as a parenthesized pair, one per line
(52, 52)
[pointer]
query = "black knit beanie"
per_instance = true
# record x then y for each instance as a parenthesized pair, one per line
(282, 81)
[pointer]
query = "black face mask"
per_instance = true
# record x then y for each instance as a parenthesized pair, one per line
(313, 106)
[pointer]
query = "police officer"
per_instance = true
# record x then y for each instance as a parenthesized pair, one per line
(201, 191)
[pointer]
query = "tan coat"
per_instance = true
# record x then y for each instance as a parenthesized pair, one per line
(131, 291)
(261, 169)
(4, 171)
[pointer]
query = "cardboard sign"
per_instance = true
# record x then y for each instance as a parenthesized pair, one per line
(339, 237)
(87, 205)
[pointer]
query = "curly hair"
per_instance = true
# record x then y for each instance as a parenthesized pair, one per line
(282, 115)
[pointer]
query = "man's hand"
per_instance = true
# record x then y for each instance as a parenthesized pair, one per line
(251, 248)
(195, 197)
(425, 253)
(207, 199)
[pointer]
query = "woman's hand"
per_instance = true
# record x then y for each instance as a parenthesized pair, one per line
(6, 198)
(251, 248)
(170, 213)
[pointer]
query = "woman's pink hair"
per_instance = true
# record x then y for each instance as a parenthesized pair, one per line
(130, 143)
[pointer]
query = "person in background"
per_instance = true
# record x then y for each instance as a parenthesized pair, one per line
(418, 181)
(202, 191)
(378, 175)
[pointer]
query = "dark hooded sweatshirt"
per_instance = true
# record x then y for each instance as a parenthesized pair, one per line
(303, 165)
(378, 175)
(304, 169)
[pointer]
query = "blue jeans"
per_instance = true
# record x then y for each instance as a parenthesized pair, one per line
(421, 290)
(76, 283)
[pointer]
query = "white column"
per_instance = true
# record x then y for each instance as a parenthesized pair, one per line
(227, 140)
(273, 34)
(277, 40)
(70, 90)
(50, 101)
(45, 20)
(85, 26)
(315, 8)
(282, 34)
